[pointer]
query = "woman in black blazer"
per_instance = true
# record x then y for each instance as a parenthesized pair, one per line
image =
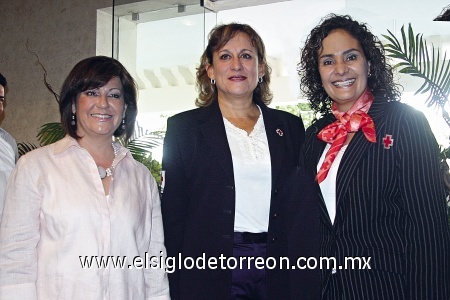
(225, 165)
(376, 160)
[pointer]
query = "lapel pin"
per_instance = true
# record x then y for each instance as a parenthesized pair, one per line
(280, 133)
(388, 141)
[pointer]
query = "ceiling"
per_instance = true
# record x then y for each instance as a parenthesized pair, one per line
(126, 7)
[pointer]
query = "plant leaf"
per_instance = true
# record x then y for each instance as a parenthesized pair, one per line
(25, 147)
(417, 61)
(50, 133)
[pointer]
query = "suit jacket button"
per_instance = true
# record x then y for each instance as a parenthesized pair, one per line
(275, 215)
(274, 239)
(226, 236)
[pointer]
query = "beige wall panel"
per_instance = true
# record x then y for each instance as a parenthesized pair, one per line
(60, 32)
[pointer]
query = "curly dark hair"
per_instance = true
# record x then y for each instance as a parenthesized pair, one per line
(444, 15)
(3, 80)
(218, 37)
(95, 72)
(380, 82)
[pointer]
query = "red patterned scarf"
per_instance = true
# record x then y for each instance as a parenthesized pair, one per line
(351, 121)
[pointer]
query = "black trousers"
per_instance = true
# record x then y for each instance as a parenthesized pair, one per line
(249, 275)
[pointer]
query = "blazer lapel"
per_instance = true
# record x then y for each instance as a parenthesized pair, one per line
(277, 142)
(317, 147)
(353, 156)
(213, 129)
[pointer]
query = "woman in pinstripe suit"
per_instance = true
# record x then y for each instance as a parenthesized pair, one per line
(376, 162)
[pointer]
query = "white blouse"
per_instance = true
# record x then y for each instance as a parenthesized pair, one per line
(328, 185)
(56, 213)
(252, 176)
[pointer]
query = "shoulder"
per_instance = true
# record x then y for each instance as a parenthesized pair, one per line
(36, 163)
(183, 125)
(286, 119)
(143, 176)
(185, 116)
(139, 167)
(53, 151)
(318, 124)
(8, 138)
(400, 107)
(401, 114)
(38, 154)
(142, 170)
(392, 109)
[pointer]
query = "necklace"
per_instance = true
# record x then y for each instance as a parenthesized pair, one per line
(109, 171)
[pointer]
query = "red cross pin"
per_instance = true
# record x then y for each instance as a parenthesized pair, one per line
(280, 133)
(388, 141)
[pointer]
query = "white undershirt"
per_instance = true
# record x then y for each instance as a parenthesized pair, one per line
(328, 185)
(252, 176)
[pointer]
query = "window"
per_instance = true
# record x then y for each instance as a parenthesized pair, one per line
(161, 45)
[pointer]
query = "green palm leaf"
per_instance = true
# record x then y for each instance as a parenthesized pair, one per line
(416, 60)
(142, 142)
(142, 146)
(50, 133)
(24, 147)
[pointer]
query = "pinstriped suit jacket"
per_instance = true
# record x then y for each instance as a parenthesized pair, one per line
(390, 207)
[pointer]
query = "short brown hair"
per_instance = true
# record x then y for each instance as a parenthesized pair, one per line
(95, 72)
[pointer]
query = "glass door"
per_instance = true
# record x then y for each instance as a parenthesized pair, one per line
(161, 42)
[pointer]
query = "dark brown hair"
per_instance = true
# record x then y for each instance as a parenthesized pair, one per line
(3, 80)
(91, 73)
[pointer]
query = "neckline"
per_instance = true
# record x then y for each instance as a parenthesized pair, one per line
(256, 127)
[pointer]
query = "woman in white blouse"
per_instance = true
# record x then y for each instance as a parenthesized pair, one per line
(83, 199)
(225, 165)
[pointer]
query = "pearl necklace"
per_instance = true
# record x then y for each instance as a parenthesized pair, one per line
(109, 171)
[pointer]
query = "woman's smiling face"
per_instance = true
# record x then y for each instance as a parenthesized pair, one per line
(236, 68)
(100, 110)
(343, 68)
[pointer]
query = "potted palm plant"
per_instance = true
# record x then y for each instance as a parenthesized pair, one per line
(415, 59)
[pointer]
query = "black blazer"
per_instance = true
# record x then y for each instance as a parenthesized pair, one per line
(390, 207)
(198, 199)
